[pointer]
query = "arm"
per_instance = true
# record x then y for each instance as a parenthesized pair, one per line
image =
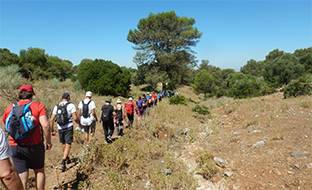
(52, 121)
(79, 113)
(46, 130)
(100, 117)
(9, 176)
(94, 115)
(77, 120)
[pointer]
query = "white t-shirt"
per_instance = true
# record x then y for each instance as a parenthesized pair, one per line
(5, 151)
(70, 109)
(87, 121)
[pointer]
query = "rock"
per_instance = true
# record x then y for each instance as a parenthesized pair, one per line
(185, 131)
(228, 174)
(148, 185)
(258, 144)
(297, 166)
(254, 131)
(297, 153)
(166, 171)
(235, 133)
(219, 162)
(309, 165)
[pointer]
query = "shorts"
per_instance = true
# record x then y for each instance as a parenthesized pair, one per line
(28, 157)
(66, 135)
(85, 129)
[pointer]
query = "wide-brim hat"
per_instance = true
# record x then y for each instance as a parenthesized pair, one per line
(108, 100)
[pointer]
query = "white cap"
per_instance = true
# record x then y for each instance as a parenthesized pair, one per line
(89, 94)
(130, 98)
(118, 101)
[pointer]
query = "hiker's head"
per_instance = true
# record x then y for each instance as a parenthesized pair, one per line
(143, 95)
(130, 99)
(108, 100)
(139, 97)
(118, 101)
(89, 94)
(26, 92)
(66, 96)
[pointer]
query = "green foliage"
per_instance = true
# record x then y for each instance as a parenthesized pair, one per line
(207, 165)
(201, 109)
(283, 69)
(163, 41)
(104, 77)
(297, 88)
(54, 83)
(204, 82)
(10, 80)
(178, 99)
(253, 67)
(273, 55)
(7, 58)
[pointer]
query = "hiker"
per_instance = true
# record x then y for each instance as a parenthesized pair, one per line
(8, 174)
(129, 110)
(119, 118)
(107, 119)
(144, 98)
(87, 115)
(140, 108)
(160, 96)
(64, 113)
(154, 99)
(29, 152)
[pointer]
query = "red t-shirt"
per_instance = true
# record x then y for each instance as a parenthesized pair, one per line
(37, 110)
(132, 107)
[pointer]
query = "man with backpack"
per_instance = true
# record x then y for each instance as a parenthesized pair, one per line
(129, 109)
(107, 119)
(119, 118)
(8, 174)
(87, 115)
(26, 138)
(140, 108)
(64, 113)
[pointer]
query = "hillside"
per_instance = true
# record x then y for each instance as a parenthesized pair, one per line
(264, 143)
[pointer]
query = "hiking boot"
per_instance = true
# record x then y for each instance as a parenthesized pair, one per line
(78, 128)
(67, 161)
(62, 167)
(110, 139)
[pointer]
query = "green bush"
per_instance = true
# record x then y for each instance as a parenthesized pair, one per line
(207, 165)
(177, 99)
(297, 88)
(201, 110)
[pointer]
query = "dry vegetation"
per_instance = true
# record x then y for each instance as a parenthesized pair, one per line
(173, 148)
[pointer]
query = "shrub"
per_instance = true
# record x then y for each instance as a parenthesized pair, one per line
(54, 83)
(201, 110)
(297, 88)
(178, 99)
(207, 165)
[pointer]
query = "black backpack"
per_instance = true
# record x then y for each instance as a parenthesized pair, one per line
(61, 114)
(119, 113)
(85, 109)
(106, 114)
(19, 124)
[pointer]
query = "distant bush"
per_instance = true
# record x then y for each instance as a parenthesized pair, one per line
(297, 88)
(54, 83)
(201, 110)
(178, 99)
(207, 165)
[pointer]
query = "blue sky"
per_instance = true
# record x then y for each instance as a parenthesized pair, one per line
(233, 31)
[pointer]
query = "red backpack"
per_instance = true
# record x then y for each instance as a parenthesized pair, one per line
(129, 107)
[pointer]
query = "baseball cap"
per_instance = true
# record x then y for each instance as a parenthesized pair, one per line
(89, 94)
(108, 100)
(65, 95)
(130, 98)
(118, 101)
(26, 88)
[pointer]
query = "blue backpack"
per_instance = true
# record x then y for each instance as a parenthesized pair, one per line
(19, 124)
(139, 103)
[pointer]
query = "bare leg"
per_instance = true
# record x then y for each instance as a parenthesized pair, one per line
(24, 178)
(66, 148)
(40, 178)
(9, 176)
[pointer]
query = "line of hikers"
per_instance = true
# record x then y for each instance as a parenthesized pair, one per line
(27, 124)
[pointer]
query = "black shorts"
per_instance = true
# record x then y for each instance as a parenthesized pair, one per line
(66, 135)
(28, 157)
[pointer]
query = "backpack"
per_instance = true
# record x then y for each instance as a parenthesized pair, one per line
(106, 115)
(62, 115)
(85, 109)
(139, 103)
(129, 108)
(19, 124)
(119, 113)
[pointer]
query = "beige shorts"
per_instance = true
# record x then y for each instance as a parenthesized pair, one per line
(85, 129)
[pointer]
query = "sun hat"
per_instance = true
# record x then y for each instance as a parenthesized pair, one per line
(89, 94)
(108, 100)
(118, 101)
(26, 88)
